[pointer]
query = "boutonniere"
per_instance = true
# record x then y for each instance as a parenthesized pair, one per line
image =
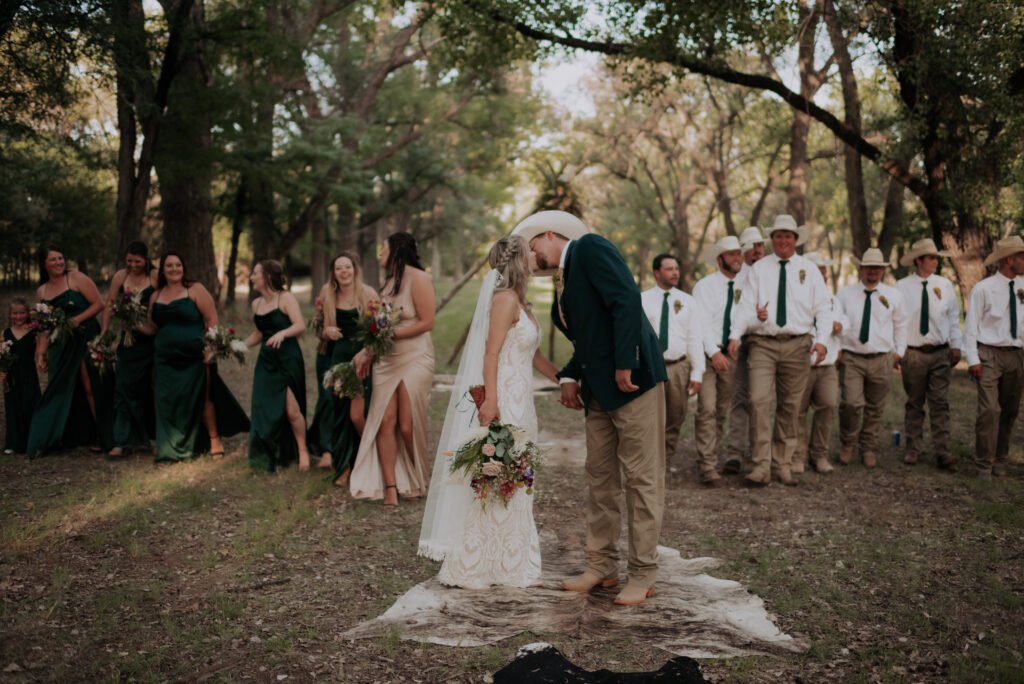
(1020, 296)
(885, 302)
(737, 297)
(677, 305)
(938, 293)
(803, 276)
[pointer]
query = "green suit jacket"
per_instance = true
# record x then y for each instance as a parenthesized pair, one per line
(606, 324)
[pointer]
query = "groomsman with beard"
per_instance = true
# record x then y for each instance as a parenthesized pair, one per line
(785, 312)
(873, 345)
(994, 336)
(717, 295)
(674, 316)
(740, 435)
(934, 345)
(617, 374)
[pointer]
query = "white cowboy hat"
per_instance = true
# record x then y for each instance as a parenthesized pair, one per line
(787, 222)
(561, 222)
(921, 248)
(872, 257)
(818, 260)
(726, 244)
(1004, 248)
(750, 237)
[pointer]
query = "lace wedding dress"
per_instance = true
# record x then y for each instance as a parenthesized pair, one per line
(500, 545)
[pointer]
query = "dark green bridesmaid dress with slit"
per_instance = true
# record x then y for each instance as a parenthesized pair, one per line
(323, 397)
(24, 394)
(271, 442)
(134, 417)
(180, 385)
(62, 418)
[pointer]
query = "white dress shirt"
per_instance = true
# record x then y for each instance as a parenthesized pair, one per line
(833, 343)
(888, 330)
(988, 315)
(807, 298)
(712, 293)
(943, 311)
(684, 325)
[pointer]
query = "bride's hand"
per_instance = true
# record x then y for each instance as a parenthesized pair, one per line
(488, 411)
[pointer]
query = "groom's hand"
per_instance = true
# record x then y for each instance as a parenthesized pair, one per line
(624, 379)
(571, 395)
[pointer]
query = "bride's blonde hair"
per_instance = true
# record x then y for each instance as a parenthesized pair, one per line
(510, 257)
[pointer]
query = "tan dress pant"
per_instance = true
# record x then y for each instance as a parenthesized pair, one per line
(676, 399)
(999, 392)
(740, 437)
(822, 396)
(626, 451)
(778, 366)
(716, 390)
(865, 381)
(926, 378)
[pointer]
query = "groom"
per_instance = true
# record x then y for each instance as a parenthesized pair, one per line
(616, 373)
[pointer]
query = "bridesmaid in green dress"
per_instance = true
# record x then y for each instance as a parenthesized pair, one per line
(21, 378)
(66, 415)
(133, 384)
(324, 349)
(340, 420)
(194, 408)
(278, 432)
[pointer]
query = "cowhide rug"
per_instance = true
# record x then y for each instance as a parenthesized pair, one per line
(691, 613)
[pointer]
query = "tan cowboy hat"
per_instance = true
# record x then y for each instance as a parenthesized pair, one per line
(787, 222)
(1004, 248)
(750, 237)
(726, 244)
(561, 222)
(818, 260)
(872, 257)
(921, 248)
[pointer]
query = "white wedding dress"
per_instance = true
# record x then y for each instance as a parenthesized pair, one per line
(499, 545)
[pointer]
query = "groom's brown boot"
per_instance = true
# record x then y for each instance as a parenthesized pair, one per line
(587, 581)
(633, 594)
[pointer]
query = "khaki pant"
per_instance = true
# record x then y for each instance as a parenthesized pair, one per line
(999, 392)
(740, 437)
(676, 398)
(865, 384)
(821, 395)
(926, 378)
(716, 390)
(626, 451)
(779, 366)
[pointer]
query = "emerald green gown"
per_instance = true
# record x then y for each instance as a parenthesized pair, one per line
(133, 390)
(332, 428)
(180, 385)
(24, 394)
(62, 418)
(271, 442)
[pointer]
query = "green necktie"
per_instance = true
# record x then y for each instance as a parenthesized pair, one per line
(780, 308)
(1013, 314)
(865, 321)
(663, 326)
(728, 313)
(924, 307)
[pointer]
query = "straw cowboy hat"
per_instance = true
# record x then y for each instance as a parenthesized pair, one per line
(750, 237)
(726, 244)
(787, 222)
(818, 260)
(561, 222)
(1004, 248)
(871, 257)
(925, 247)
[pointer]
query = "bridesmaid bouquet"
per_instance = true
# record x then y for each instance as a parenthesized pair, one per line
(103, 351)
(7, 359)
(52, 320)
(128, 310)
(223, 343)
(499, 461)
(343, 381)
(316, 324)
(376, 328)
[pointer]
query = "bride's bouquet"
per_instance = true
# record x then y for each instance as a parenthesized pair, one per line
(52, 320)
(103, 351)
(7, 360)
(343, 381)
(499, 460)
(376, 327)
(128, 310)
(222, 343)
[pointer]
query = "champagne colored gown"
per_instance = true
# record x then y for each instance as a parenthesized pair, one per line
(24, 394)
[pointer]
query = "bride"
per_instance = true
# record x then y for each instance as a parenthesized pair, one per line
(498, 545)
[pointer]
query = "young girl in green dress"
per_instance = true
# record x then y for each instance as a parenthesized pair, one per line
(21, 379)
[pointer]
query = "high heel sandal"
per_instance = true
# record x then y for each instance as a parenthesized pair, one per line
(391, 506)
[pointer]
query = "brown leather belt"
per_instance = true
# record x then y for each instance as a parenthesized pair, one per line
(873, 355)
(1009, 347)
(782, 337)
(930, 348)
(682, 358)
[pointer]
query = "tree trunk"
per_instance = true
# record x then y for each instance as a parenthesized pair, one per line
(892, 222)
(237, 226)
(321, 255)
